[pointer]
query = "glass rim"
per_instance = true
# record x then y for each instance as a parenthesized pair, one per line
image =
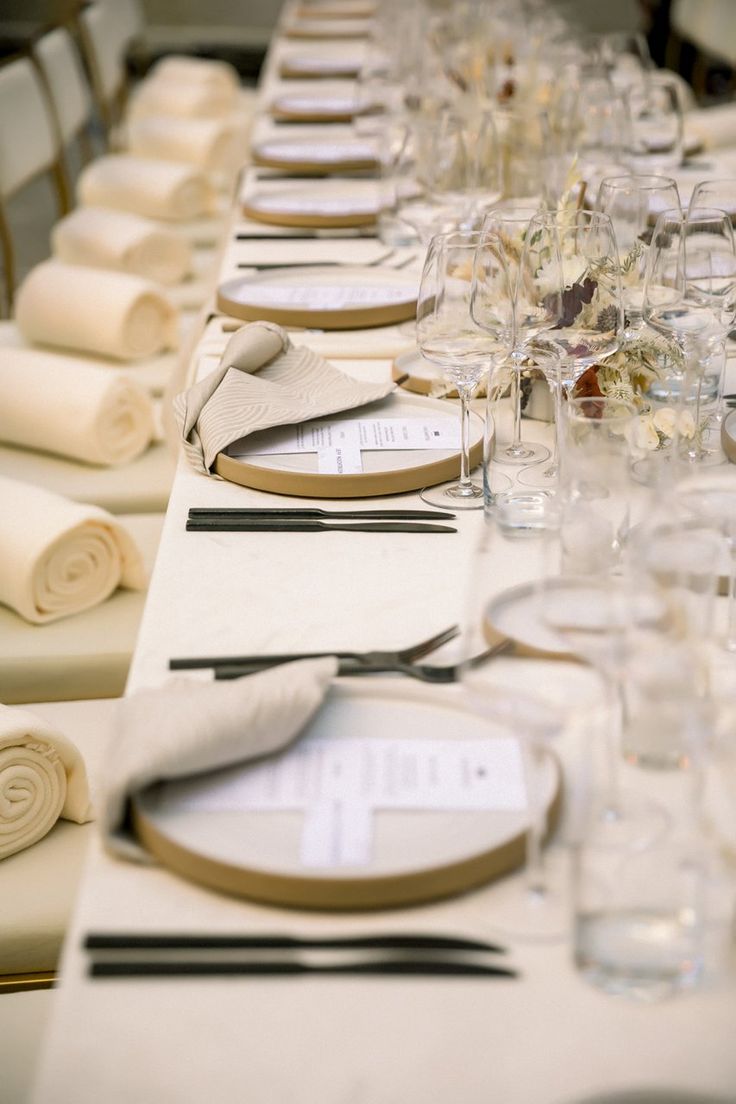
(657, 181)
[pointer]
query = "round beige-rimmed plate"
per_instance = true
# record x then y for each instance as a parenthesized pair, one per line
(329, 28)
(417, 855)
(384, 472)
(287, 207)
(316, 158)
(305, 107)
(319, 67)
(340, 9)
(728, 436)
(326, 297)
(414, 373)
(516, 614)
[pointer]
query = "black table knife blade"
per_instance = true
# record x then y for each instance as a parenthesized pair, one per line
(196, 512)
(306, 525)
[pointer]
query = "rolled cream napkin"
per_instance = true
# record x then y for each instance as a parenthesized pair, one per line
(195, 70)
(156, 189)
(102, 238)
(185, 728)
(90, 310)
(714, 127)
(215, 145)
(262, 381)
(42, 778)
(61, 404)
(188, 99)
(59, 557)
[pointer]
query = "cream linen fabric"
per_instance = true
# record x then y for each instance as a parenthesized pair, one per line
(262, 381)
(153, 188)
(195, 70)
(713, 126)
(187, 727)
(42, 777)
(188, 99)
(214, 145)
(108, 313)
(101, 238)
(62, 405)
(59, 557)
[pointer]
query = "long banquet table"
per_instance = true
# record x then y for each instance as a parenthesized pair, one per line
(546, 1037)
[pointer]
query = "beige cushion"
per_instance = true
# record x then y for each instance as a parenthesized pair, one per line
(84, 656)
(27, 142)
(38, 885)
(141, 487)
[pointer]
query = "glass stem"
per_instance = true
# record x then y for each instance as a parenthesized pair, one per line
(465, 485)
(616, 706)
(516, 446)
(731, 623)
(557, 396)
(536, 880)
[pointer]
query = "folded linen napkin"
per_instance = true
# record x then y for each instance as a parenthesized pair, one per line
(108, 313)
(190, 99)
(157, 189)
(262, 381)
(214, 145)
(713, 126)
(186, 728)
(61, 404)
(102, 238)
(59, 557)
(42, 778)
(195, 70)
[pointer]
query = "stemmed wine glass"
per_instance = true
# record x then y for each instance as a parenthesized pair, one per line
(504, 229)
(690, 295)
(569, 307)
(448, 336)
(633, 203)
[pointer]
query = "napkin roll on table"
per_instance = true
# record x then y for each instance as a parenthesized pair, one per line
(185, 728)
(214, 145)
(42, 778)
(187, 99)
(118, 240)
(156, 189)
(90, 310)
(59, 557)
(64, 405)
(180, 69)
(263, 381)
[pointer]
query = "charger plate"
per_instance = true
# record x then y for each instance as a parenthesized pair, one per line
(384, 472)
(339, 9)
(516, 614)
(327, 297)
(728, 436)
(328, 28)
(417, 374)
(288, 207)
(313, 107)
(319, 67)
(315, 157)
(417, 856)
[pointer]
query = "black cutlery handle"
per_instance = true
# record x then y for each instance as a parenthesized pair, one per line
(116, 941)
(397, 968)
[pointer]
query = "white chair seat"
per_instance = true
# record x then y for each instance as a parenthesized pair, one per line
(38, 885)
(84, 656)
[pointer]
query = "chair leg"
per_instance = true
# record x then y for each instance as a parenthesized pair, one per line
(62, 187)
(8, 254)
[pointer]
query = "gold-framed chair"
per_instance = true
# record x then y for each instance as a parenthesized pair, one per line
(29, 148)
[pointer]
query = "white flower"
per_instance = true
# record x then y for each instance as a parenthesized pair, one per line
(572, 270)
(686, 425)
(646, 433)
(665, 421)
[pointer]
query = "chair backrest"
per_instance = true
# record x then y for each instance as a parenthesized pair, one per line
(28, 141)
(60, 63)
(29, 147)
(105, 39)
